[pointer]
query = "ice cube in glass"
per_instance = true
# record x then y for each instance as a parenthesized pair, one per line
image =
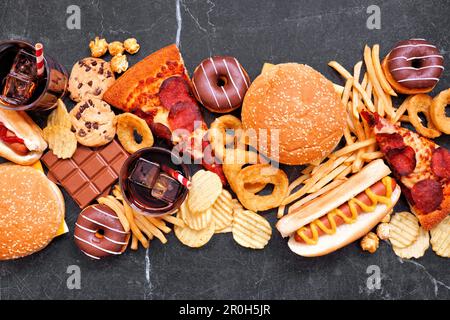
(25, 64)
(166, 188)
(18, 89)
(145, 173)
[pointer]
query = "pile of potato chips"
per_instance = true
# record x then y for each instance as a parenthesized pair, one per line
(58, 134)
(210, 209)
(410, 240)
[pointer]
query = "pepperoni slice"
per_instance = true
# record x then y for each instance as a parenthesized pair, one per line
(174, 90)
(389, 141)
(161, 131)
(427, 195)
(185, 115)
(440, 163)
(402, 161)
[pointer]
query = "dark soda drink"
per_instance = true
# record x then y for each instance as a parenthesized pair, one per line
(165, 195)
(21, 87)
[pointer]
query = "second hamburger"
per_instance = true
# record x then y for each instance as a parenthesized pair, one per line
(302, 104)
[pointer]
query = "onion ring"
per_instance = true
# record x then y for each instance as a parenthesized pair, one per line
(261, 173)
(219, 134)
(437, 111)
(127, 123)
(233, 163)
(421, 103)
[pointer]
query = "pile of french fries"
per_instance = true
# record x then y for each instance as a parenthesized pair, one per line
(143, 228)
(374, 94)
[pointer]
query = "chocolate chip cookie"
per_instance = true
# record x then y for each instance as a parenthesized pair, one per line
(90, 77)
(93, 122)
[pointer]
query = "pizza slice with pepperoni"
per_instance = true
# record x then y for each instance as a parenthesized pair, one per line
(158, 90)
(421, 166)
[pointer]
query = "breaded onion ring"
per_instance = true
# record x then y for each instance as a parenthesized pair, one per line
(421, 103)
(437, 111)
(219, 134)
(233, 163)
(265, 174)
(127, 123)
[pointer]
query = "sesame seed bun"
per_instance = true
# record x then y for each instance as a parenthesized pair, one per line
(32, 208)
(302, 104)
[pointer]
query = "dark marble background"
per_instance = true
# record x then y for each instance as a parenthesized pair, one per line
(310, 31)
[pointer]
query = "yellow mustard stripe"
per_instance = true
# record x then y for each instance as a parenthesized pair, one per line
(352, 203)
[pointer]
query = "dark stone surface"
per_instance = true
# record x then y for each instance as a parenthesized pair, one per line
(312, 32)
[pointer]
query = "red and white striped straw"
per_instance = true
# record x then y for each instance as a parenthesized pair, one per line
(39, 58)
(176, 175)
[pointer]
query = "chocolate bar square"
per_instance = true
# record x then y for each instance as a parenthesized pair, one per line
(90, 173)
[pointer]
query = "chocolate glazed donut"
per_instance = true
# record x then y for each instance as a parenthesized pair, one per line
(99, 233)
(220, 83)
(414, 66)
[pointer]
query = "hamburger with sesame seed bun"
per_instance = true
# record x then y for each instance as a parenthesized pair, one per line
(302, 105)
(31, 211)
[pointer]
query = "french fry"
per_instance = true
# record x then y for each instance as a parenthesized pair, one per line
(353, 147)
(134, 242)
(134, 228)
(307, 170)
(160, 224)
(304, 201)
(369, 156)
(348, 136)
(118, 208)
(347, 89)
(355, 97)
(379, 71)
(404, 119)
(344, 173)
(339, 89)
(364, 81)
(367, 100)
(324, 169)
(340, 69)
(150, 227)
(375, 83)
(369, 88)
(144, 229)
(401, 110)
(328, 178)
(174, 220)
(358, 161)
(294, 184)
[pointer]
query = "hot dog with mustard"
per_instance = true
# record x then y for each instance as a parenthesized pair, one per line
(21, 139)
(342, 215)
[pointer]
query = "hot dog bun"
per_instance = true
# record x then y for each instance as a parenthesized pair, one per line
(369, 175)
(346, 234)
(23, 127)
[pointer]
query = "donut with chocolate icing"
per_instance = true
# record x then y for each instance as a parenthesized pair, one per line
(413, 66)
(220, 83)
(99, 233)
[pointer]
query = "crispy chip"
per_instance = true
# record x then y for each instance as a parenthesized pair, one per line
(206, 188)
(403, 229)
(225, 230)
(417, 248)
(251, 230)
(60, 116)
(194, 238)
(61, 141)
(222, 210)
(440, 238)
(196, 220)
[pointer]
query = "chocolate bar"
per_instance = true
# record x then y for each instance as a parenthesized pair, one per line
(89, 173)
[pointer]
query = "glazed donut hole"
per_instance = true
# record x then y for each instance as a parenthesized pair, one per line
(222, 81)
